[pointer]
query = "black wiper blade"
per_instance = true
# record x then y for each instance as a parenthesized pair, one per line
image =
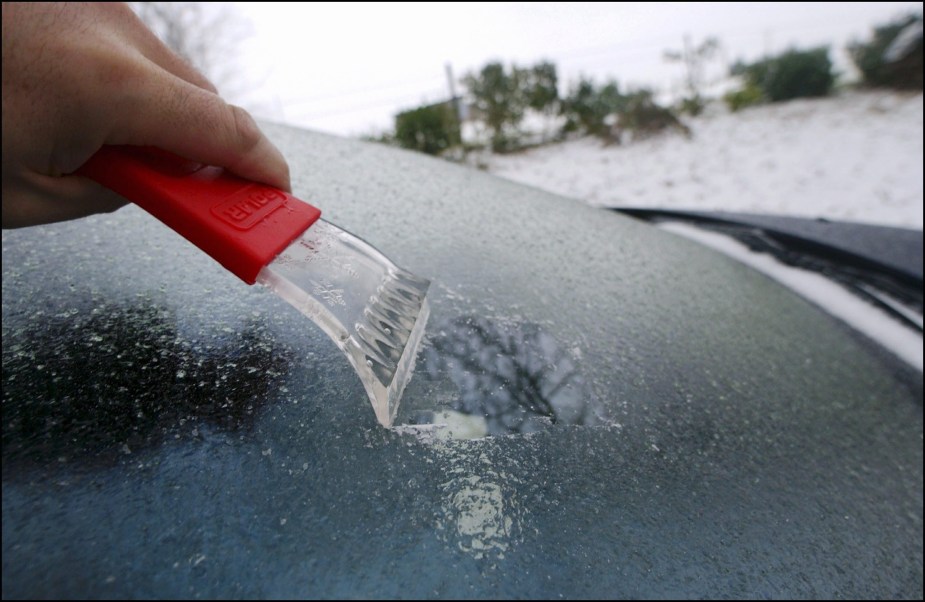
(868, 258)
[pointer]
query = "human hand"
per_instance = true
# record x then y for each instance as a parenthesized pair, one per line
(78, 76)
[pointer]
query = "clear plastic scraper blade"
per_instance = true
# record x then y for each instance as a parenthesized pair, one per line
(374, 311)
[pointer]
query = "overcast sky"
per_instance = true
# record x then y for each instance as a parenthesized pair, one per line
(348, 68)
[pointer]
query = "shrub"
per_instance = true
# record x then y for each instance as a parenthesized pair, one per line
(587, 108)
(542, 87)
(642, 117)
(501, 97)
(793, 74)
(901, 70)
(500, 100)
(744, 97)
(606, 113)
(692, 105)
(430, 129)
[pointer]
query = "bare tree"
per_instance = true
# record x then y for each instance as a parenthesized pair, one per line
(694, 59)
(206, 34)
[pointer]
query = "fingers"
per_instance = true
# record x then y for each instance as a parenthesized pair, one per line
(180, 111)
(200, 126)
(44, 200)
(84, 75)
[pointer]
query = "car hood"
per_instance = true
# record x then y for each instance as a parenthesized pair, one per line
(668, 421)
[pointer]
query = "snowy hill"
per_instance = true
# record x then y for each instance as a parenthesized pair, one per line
(856, 157)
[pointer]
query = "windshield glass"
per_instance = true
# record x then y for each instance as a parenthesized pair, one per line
(661, 419)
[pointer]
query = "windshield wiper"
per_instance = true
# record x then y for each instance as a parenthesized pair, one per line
(881, 264)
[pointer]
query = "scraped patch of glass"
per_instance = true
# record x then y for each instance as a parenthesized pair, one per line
(508, 378)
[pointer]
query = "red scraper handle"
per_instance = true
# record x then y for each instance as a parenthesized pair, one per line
(241, 224)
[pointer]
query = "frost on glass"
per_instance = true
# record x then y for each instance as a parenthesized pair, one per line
(374, 311)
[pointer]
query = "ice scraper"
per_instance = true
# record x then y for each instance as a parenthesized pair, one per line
(374, 311)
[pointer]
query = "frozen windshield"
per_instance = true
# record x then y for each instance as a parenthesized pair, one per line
(632, 415)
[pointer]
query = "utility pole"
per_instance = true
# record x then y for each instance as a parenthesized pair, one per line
(455, 100)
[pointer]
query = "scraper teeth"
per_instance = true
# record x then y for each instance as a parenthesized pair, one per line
(393, 333)
(386, 320)
(391, 311)
(373, 310)
(376, 345)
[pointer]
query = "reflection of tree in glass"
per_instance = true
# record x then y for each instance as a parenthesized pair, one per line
(517, 377)
(120, 378)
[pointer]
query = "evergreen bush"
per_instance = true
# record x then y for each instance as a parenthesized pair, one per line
(884, 65)
(793, 74)
(429, 129)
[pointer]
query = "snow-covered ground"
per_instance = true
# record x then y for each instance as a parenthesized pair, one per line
(857, 156)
